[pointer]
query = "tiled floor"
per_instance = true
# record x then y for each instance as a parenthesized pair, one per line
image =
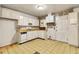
(41, 46)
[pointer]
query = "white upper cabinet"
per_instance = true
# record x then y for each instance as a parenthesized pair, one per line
(50, 18)
(73, 17)
(35, 22)
(14, 14)
(27, 21)
(23, 19)
(76, 9)
(6, 13)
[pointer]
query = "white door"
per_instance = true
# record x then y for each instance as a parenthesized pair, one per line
(65, 28)
(58, 28)
(7, 32)
(62, 28)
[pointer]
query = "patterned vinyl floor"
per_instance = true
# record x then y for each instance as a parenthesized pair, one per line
(40, 46)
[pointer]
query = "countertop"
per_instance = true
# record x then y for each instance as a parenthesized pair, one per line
(30, 30)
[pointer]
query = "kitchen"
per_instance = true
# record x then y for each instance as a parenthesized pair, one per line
(31, 29)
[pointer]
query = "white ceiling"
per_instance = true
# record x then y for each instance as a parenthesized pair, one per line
(30, 8)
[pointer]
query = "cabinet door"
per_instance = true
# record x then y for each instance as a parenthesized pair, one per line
(73, 35)
(35, 33)
(31, 35)
(25, 21)
(23, 38)
(73, 17)
(14, 14)
(30, 20)
(20, 20)
(6, 13)
(42, 34)
(48, 34)
(9, 13)
(28, 35)
(35, 22)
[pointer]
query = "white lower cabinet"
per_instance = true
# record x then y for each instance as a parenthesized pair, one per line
(42, 34)
(32, 35)
(29, 35)
(35, 34)
(74, 35)
(23, 38)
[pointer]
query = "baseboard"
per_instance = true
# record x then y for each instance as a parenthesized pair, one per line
(74, 45)
(27, 41)
(66, 43)
(40, 38)
(31, 40)
(8, 45)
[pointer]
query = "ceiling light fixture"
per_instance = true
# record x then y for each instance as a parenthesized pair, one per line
(40, 7)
